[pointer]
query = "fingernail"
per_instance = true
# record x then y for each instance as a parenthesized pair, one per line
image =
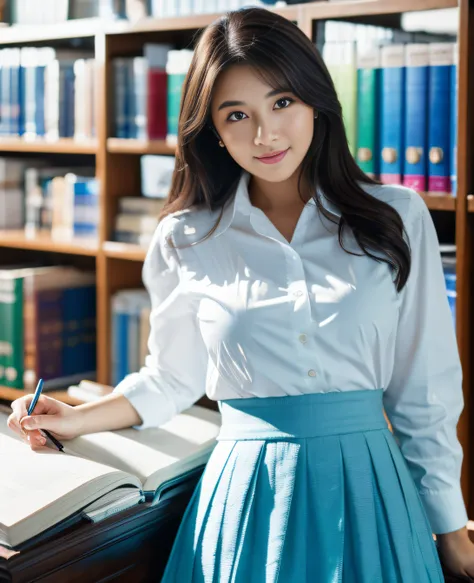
(42, 440)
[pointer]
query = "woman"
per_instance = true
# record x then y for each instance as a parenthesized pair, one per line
(304, 297)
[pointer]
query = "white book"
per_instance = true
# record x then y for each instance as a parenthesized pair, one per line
(98, 471)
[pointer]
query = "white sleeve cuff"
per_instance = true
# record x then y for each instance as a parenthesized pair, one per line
(445, 509)
(153, 407)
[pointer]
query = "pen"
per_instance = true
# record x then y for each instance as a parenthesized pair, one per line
(31, 408)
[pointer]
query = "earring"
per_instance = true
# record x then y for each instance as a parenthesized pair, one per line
(315, 115)
(221, 144)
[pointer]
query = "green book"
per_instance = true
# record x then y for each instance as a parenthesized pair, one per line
(368, 75)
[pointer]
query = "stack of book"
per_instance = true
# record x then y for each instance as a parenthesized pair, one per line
(137, 216)
(392, 93)
(48, 326)
(47, 93)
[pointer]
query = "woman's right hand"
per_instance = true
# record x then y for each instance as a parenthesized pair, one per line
(61, 420)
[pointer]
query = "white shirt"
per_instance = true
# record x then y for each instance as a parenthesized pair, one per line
(247, 314)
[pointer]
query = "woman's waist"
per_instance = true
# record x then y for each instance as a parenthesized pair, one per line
(302, 416)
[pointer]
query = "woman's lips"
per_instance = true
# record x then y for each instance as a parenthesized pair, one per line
(274, 157)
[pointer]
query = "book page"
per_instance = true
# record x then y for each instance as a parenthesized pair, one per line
(39, 488)
(155, 455)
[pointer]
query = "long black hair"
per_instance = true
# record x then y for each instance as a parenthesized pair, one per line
(206, 175)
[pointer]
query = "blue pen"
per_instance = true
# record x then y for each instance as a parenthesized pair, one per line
(31, 408)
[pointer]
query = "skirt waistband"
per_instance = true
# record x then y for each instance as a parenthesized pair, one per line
(302, 416)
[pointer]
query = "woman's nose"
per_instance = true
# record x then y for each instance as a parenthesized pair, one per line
(265, 135)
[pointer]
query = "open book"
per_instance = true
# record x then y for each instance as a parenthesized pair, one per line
(97, 474)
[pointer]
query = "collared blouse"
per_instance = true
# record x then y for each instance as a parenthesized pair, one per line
(245, 313)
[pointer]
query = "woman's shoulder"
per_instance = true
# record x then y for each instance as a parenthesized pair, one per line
(406, 201)
(187, 226)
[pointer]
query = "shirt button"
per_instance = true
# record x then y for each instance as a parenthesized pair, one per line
(298, 293)
(302, 338)
(312, 373)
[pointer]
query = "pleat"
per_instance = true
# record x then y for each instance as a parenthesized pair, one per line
(361, 561)
(409, 561)
(421, 528)
(181, 563)
(318, 511)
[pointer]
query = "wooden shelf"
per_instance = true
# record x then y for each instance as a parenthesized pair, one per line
(124, 251)
(436, 201)
(129, 146)
(349, 8)
(61, 146)
(192, 22)
(80, 28)
(8, 394)
(17, 239)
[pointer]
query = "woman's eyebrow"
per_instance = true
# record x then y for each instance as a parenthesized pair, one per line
(271, 93)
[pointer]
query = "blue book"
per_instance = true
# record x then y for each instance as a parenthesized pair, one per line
(16, 88)
(5, 59)
(122, 81)
(119, 338)
(439, 164)
(392, 113)
(453, 137)
(416, 116)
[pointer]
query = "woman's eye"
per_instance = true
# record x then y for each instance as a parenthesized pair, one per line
(284, 102)
(236, 116)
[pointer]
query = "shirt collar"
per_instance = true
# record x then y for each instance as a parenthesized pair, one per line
(240, 202)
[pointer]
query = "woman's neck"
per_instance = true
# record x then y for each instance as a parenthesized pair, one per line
(274, 196)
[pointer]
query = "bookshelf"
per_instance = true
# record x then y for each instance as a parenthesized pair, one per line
(118, 265)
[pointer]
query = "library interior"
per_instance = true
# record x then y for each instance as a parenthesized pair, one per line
(90, 94)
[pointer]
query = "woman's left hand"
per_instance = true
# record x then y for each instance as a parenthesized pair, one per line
(457, 552)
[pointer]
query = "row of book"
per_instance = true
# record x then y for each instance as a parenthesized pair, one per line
(147, 93)
(399, 104)
(47, 326)
(39, 198)
(48, 93)
(130, 311)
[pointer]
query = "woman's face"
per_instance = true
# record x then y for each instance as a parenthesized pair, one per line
(253, 120)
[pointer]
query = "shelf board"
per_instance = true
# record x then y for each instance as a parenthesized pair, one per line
(470, 203)
(124, 251)
(8, 394)
(80, 28)
(129, 146)
(17, 239)
(349, 8)
(61, 146)
(438, 201)
(191, 22)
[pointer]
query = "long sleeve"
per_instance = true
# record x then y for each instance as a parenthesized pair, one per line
(173, 377)
(424, 397)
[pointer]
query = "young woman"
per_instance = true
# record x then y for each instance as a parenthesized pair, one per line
(305, 298)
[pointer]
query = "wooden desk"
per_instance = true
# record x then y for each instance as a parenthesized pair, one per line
(130, 547)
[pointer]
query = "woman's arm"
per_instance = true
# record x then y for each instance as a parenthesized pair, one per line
(111, 412)
(424, 398)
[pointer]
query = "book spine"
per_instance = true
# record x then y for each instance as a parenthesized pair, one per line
(441, 61)
(157, 104)
(416, 118)
(140, 98)
(392, 114)
(49, 333)
(454, 120)
(11, 332)
(368, 79)
(121, 97)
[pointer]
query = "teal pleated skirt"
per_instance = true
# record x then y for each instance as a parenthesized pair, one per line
(305, 489)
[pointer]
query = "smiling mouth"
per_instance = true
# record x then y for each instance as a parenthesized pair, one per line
(273, 157)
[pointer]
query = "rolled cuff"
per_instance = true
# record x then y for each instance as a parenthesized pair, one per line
(445, 509)
(153, 407)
